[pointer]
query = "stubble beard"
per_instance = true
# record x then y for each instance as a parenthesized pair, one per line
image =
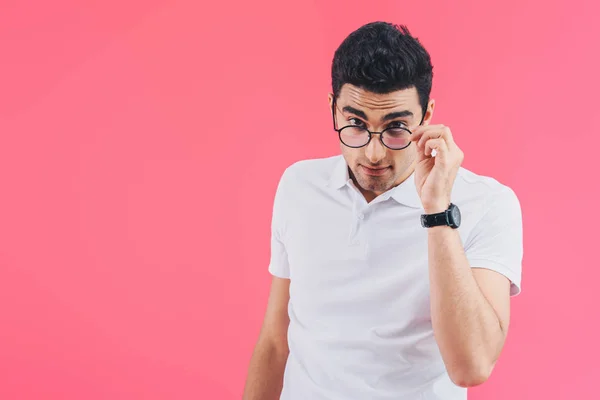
(378, 184)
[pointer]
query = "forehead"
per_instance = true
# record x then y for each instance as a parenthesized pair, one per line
(406, 99)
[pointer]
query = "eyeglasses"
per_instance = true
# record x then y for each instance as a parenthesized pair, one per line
(395, 138)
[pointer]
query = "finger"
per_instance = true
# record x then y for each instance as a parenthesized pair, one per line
(448, 136)
(425, 151)
(422, 134)
(433, 134)
(440, 146)
(419, 131)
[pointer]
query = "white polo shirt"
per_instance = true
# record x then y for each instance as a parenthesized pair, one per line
(360, 323)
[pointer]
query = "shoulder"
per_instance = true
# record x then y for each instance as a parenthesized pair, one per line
(314, 171)
(300, 182)
(493, 229)
(484, 191)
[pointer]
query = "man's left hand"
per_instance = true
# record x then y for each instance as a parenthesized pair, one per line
(435, 175)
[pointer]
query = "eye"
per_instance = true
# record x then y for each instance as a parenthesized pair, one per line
(355, 121)
(397, 124)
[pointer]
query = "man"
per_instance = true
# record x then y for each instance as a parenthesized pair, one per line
(392, 265)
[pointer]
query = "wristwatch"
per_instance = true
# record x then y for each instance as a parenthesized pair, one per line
(450, 217)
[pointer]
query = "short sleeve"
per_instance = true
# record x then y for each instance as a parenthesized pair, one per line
(496, 242)
(278, 264)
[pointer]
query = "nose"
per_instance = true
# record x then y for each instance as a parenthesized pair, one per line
(375, 150)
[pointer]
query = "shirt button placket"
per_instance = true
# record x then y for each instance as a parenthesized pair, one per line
(358, 228)
(358, 217)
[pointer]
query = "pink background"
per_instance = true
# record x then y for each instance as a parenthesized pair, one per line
(140, 148)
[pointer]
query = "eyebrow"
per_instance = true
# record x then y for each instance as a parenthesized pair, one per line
(387, 117)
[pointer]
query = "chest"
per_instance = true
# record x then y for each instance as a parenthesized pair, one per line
(352, 262)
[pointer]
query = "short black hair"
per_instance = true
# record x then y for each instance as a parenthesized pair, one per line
(382, 57)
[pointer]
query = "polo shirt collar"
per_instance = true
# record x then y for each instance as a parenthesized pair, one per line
(405, 193)
(339, 175)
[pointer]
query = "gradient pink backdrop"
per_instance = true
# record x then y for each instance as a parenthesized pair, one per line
(140, 148)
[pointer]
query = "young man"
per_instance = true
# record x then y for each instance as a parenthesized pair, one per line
(393, 266)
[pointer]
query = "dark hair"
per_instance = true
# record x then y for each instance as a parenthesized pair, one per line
(382, 57)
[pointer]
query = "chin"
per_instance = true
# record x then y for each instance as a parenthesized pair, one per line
(374, 184)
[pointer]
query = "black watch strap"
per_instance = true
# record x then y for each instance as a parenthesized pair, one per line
(439, 219)
(450, 217)
(430, 220)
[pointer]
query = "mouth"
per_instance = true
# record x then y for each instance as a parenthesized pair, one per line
(374, 171)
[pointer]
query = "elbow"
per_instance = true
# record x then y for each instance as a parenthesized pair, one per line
(472, 375)
(276, 346)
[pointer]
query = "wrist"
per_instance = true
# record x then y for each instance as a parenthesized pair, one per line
(436, 208)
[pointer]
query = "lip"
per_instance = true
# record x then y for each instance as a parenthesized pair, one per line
(375, 171)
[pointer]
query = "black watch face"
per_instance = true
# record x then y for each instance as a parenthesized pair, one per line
(456, 215)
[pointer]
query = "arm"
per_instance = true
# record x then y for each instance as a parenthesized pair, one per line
(267, 365)
(469, 309)
(470, 287)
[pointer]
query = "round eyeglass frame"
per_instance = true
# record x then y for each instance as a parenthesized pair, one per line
(339, 131)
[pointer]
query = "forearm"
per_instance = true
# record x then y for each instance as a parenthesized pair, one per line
(467, 329)
(265, 373)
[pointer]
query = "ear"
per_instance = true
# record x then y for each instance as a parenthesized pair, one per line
(429, 112)
(330, 98)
